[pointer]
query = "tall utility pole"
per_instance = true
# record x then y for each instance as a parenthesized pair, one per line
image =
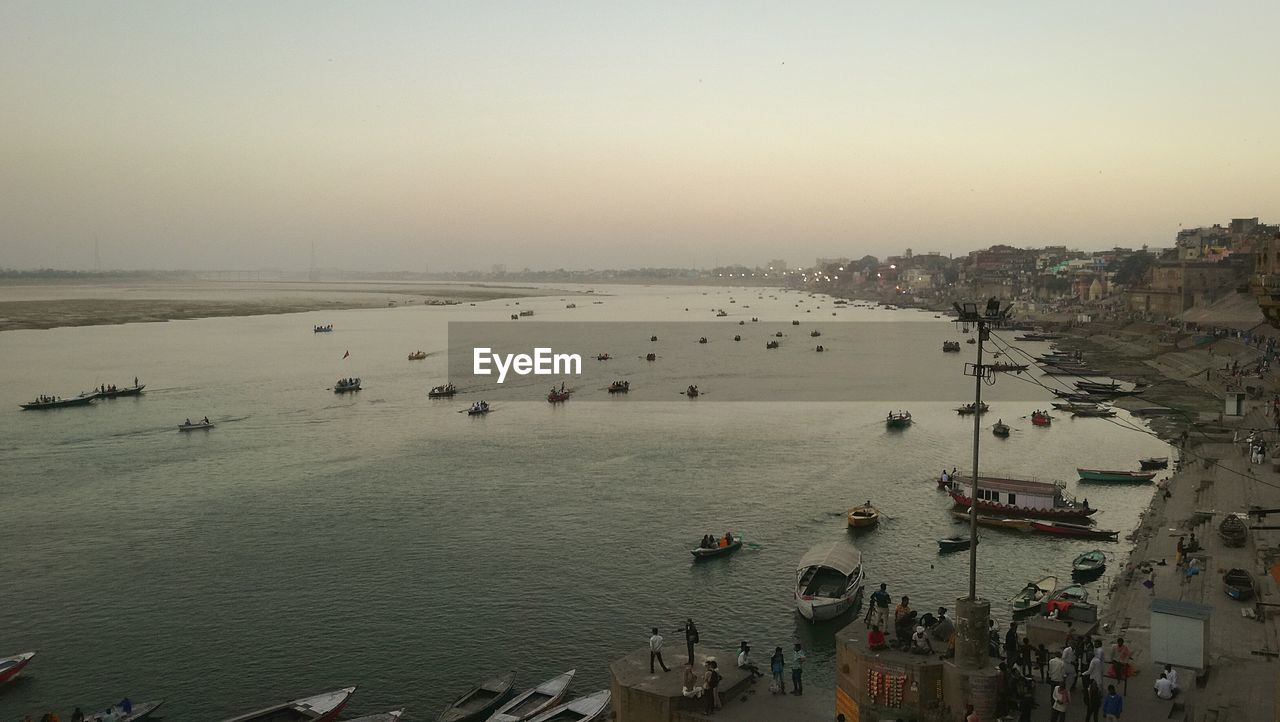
(995, 313)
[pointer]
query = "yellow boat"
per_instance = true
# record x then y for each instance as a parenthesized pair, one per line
(863, 516)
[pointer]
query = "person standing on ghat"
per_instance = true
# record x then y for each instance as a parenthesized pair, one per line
(690, 636)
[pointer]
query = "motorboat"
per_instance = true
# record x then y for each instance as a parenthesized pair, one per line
(535, 700)
(480, 701)
(318, 708)
(829, 579)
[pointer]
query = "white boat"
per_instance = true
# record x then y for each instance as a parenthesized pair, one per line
(138, 711)
(583, 709)
(535, 701)
(829, 579)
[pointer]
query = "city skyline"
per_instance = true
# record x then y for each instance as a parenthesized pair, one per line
(406, 136)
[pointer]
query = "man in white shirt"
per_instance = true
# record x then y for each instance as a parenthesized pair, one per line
(1164, 689)
(655, 651)
(1172, 675)
(1069, 667)
(744, 660)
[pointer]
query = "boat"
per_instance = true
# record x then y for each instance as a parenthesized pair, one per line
(603, 357)
(1239, 584)
(11, 667)
(479, 408)
(392, 716)
(702, 339)
(196, 426)
(969, 408)
(1080, 531)
(1073, 593)
(322, 329)
(716, 551)
(138, 710)
(1233, 531)
(1107, 475)
(1073, 406)
(57, 402)
(1094, 413)
(1091, 562)
(116, 392)
(1034, 594)
(953, 543)
(898, 419)
(1041, 418)
(771, 344)
(721, 314)
(534, 701)
(970, 340)
(442, 392)
(998, 522)
(653, 338)
(1021, 498)
(737, 337)
(692, 392)
(815, 333)
(526, 313)
(1154, 462)
(1008, 368)
(619, 387)
(651, 357)
(571, 305)
(556, 396)
(1033, 336)
(343, 386)
(417, 355)
(951, 347)
(480, 701)
(318, 708)
(863, 515)
(829, 578)
(819, 349)
(583, 709)
(793, 323)
(1001, 429)
(778, 334)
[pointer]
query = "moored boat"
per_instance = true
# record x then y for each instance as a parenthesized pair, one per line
(137, 710)
(1091, 562)
(583, 709)
(1008, 368)
(392, 716)
(1033, 595)
(11, 667)
(863, 515)
(1080, 531)
(1239, 584)
(1020, 498)
(317, 708)
(442, 392)
(344, 386)
(534, 701)
(417, 355)
(954, 543)
(898, 419)
(1154, 462)
(480, 701)
(1107, 475)
(1073, 593)
(829, 578)
(1094, 413)
(1233, 531)
(998, 522)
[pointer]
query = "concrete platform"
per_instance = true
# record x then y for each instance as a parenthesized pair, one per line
(639, 696)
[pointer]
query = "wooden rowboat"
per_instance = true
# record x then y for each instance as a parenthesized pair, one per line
(996, 521)
(1154, 462)
(318, 708)
(1105, 475)
(534, 701)
(1233, 531)
(708, 552)
(417, 355)
(195, 427)
(142, 710)
(1088, 563)
(1239, 584)
(480, 701)
(1034, 594)
(863, 516)
(10, 667)
(1080, 531)
(583, 709)
(954, 543)
(59, 403)
(898, 419)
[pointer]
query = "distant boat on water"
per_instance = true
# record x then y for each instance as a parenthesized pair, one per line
(57, 402)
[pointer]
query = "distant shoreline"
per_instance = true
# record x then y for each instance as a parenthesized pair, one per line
(32, 306)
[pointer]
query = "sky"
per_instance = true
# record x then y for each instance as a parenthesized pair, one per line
(451, 136)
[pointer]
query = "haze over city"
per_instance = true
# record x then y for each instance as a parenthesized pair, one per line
(401, 135)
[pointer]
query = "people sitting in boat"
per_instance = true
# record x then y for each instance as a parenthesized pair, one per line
(728, 538)
(875, 639)
(188, 422)
(945, 478)
(205, 420)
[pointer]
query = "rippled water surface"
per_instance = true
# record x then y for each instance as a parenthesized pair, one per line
(385, 540)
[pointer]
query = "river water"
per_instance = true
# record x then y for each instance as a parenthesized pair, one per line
(381, 539)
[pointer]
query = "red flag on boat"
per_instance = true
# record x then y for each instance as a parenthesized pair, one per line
(348, 353)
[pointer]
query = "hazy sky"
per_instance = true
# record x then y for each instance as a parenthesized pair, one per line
(396, 135)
